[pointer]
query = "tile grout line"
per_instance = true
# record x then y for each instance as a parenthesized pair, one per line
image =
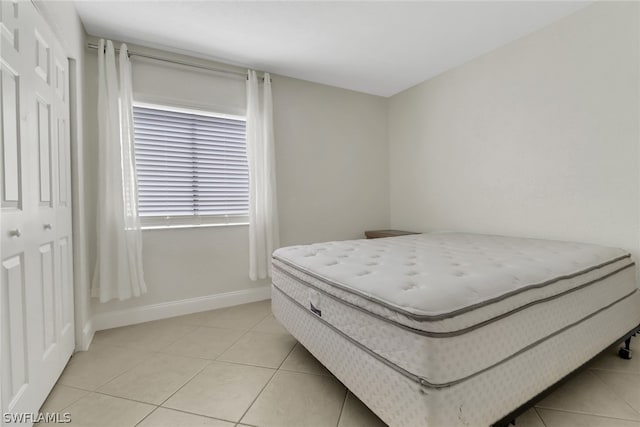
(615, 392)
(266, 384)
(244, 332)
(617, 371)
(87, 392)
(535, 409)
(208, 362)
(234, 343)
(150, 354)
(187, 382)
(589, 414)
(344, 403)
(217, 359)
(239, 338)
(115, 397)
(146, 416)
(275, 371)
(611, 391)
(197, 414)
(125, 398)
(254, 366)
(330, 375)
(73, 387)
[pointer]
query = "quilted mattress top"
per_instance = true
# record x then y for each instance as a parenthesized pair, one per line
(444, 274)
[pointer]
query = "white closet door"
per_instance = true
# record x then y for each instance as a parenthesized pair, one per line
(36, 299)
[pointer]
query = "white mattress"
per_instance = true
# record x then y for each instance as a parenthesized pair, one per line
(446, 348)
(481, 399)
(460, 328)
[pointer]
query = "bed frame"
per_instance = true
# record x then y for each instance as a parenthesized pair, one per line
(624, 353)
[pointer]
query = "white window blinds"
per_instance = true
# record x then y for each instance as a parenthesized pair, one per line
(190, 165)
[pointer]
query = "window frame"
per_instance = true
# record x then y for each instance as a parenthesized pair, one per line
(157, 222)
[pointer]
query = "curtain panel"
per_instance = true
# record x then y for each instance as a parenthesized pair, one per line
(118, 272)
(263, 208)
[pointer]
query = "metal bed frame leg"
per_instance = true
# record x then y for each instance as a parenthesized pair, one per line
(625, 352)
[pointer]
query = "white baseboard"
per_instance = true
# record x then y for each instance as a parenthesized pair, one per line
(84, 339)
(146, 313)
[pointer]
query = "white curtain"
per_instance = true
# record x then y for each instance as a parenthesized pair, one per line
(263, 209)
(118, 272)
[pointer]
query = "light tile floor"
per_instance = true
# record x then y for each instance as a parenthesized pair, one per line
(238, 366)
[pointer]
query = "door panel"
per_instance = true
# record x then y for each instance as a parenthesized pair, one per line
(42, 57)
(60, 81)
(63, 164)
(9, 28)
(47, 283)
(14, 329)
(66, 288)
(11, 191)
(44, 154)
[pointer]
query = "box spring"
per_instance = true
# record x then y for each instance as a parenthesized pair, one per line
(399, 400)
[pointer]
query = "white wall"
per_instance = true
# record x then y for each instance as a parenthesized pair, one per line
(537, 138)
(332, 165)
(63, 19)
(332, 174)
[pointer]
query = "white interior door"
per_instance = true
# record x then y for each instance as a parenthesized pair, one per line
(36, 299)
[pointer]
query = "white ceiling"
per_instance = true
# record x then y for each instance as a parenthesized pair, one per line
(378, 47)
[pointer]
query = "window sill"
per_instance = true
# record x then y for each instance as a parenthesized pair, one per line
(192, 221)
(176, 226)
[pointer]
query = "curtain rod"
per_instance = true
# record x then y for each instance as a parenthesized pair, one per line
(187, 64)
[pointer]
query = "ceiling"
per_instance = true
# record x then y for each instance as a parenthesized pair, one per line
(380, 47)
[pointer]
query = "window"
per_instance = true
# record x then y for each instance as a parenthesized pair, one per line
(191, 167)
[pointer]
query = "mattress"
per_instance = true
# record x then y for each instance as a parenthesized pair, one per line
(444, 309)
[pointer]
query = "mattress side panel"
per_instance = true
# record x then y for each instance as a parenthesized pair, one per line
(444, 358)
